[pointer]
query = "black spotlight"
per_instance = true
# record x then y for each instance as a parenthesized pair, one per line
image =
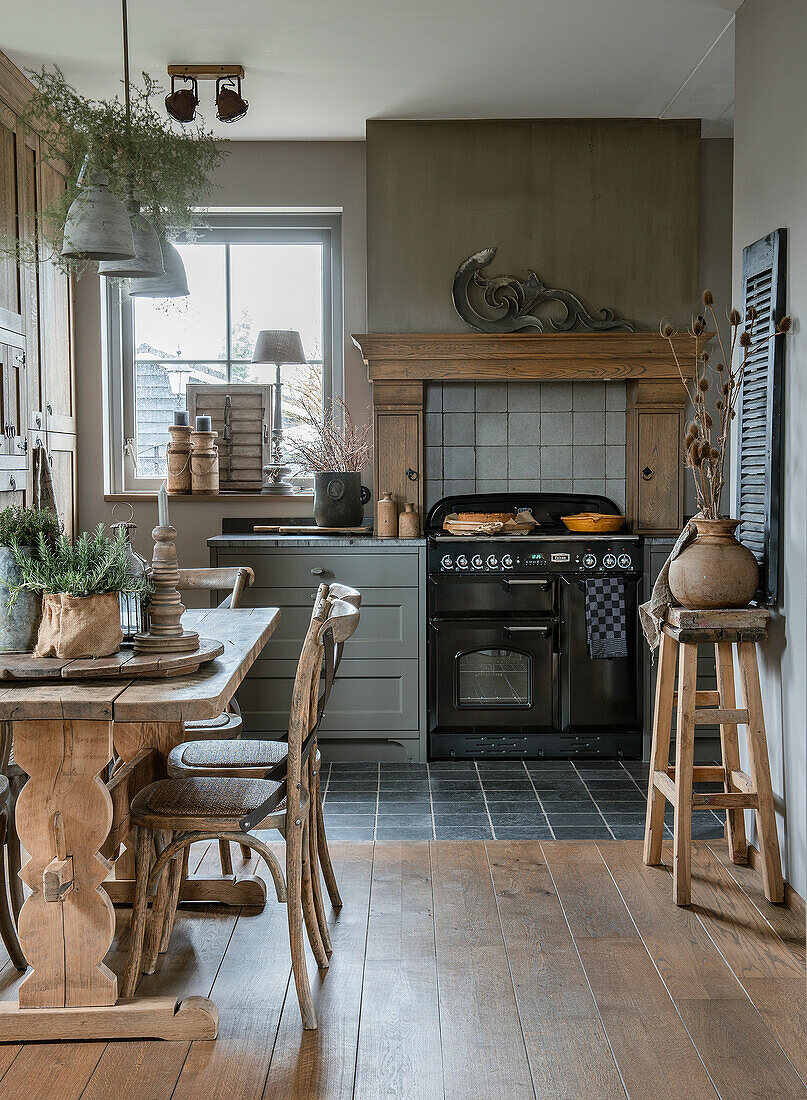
(230, 106)
(181, 103)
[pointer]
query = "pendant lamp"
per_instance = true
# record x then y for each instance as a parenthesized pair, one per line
(148, 259)
(173, 283)
(97, 225)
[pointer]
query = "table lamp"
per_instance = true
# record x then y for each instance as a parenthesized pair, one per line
(278, 346)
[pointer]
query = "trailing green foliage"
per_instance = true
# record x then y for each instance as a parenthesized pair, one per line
(23, 526)
(166, 169)
(93, 564)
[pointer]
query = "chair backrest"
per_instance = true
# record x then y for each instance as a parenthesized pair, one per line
(238, 578)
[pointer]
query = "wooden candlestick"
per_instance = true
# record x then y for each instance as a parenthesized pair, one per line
(165, 634)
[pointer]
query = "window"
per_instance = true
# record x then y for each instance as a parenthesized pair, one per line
(245, 273)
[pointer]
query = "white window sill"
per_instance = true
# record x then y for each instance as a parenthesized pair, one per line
(266, 498)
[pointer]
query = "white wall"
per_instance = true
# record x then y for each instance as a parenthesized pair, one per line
(288, 175)
(770, 191)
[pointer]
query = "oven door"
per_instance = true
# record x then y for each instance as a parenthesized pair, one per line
(598, 693)
(491, 676)
(482, 594)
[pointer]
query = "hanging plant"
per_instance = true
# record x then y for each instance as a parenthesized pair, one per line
(165, 170)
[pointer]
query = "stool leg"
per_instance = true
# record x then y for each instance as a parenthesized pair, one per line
(660, 750)
(761, 774)
(730, 751)
(684, 758)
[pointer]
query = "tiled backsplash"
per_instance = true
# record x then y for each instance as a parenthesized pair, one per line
(542, 436)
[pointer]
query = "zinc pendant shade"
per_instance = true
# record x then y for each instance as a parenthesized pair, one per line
(173, 283)
(278, 346)
(148, 259)
(97, 225)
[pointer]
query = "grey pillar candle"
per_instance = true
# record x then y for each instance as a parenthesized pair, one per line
(181, 418)
(204, 424)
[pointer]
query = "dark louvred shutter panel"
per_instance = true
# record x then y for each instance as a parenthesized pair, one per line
(759, 427)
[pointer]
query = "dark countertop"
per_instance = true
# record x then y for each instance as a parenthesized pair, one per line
(256, 541)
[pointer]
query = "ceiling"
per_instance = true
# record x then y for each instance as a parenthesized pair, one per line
(317, 70)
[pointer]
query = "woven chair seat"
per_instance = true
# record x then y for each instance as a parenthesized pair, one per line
(247, 759)
(200, 803)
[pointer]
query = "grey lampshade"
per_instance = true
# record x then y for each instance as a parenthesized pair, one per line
(97, 225)
(148, 261)
(278, 345)
(172, 284)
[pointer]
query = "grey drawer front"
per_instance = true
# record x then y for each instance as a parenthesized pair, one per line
(368, 697)
(360, 569)
(388, 626)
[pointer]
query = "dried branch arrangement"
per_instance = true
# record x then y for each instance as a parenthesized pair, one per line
(705, 455)
(334, 442)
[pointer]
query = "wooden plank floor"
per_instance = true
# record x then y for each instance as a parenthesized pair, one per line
(478, 971)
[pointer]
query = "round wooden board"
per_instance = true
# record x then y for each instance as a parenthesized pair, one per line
(125, 663)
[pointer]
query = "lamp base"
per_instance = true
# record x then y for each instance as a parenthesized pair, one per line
(275, 483)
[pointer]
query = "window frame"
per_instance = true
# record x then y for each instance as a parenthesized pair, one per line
(220, 226)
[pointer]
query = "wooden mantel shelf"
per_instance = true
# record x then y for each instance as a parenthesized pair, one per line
(586, 356)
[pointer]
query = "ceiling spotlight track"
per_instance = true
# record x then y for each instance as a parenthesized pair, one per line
(181, 103)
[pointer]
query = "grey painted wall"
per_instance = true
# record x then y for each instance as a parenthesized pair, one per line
(606, 208)
(770, 190)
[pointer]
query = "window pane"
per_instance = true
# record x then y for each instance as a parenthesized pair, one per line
(278, 286)
(191, 330)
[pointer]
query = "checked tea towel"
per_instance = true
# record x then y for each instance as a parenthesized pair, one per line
(606, 625)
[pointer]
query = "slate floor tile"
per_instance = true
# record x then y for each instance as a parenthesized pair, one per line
(344, 821)
(568, 806)
(386, 832)
(463, 832)
(349, 834)
(576, 820)
(628, 832)
(522, 832)
(582, 832)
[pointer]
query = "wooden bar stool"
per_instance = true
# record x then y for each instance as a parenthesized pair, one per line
(683, 632)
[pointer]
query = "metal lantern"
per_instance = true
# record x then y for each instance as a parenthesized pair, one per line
(133, 615)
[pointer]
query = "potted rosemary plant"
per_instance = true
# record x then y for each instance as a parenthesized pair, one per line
(716, 570)
(20, 532)
(335, 450)
(79, 585)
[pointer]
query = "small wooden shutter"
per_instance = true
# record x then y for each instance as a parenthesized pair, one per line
(759, 420)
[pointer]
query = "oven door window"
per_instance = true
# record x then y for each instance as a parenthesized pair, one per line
(494, 678)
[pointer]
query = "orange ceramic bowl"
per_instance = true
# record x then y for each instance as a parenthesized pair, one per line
(593, 522)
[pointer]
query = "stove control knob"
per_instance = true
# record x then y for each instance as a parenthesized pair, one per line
(492, 561)
(507, 561)
(447, 562)
(624, 561)
(462, 562)
(609, 561)
(476, 561)
(589, 560)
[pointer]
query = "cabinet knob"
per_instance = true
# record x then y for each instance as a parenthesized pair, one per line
(647, 473)
(412, 474)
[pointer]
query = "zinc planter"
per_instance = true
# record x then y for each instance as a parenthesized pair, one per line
(19, 626)
(715, 570)
(339, 499)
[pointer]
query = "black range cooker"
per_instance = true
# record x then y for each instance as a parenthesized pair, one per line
(509, 671)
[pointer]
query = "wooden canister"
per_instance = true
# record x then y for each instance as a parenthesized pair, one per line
(387, 517)
(408, 523)
(204, 464)
(179, 459)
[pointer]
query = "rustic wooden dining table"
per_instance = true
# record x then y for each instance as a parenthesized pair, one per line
(73, 824)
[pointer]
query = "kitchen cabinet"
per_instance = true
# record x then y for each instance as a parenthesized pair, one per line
(398, 442)
(377, 707)
(654, 458)
(37, 377)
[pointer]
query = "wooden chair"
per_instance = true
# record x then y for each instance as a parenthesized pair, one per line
(174, 813)
(683, 632)
(260, 759)
(8, 931)
(16, 781)
(238, 578)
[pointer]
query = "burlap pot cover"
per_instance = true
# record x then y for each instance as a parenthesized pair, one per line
(79, 626)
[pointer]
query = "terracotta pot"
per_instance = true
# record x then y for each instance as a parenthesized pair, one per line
(715, 570)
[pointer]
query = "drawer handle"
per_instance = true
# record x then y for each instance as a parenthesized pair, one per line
(317, 572)
(12, 483)
(49, 407)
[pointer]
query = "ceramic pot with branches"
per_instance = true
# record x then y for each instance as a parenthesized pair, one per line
(716, 570)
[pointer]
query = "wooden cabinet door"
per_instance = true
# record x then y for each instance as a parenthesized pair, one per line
(55, 311)
(12, 394)
(62, 453)
(657, 471)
